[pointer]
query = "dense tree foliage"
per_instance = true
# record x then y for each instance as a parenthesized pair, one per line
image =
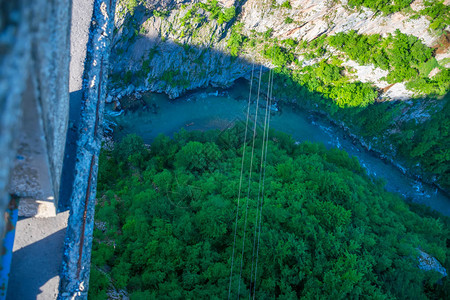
(323, 83)
(386, 6)
(279, 55)
(326, 79)
(384, 124)
(236, 39)
(165, 223)
(222, 15)
(429, 143)
(437, 85)
(438, 14)
(405, 56)
(401, 54)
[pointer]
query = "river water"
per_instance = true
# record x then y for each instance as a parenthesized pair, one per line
(218, 109)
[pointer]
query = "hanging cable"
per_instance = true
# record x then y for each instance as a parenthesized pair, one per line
(240, 180)
(249, 180)
(263, 184)
(260, 179)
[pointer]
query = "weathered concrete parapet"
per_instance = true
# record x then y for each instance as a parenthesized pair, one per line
(34, 75)
(12, 84)
(77, 253)
(34, 97)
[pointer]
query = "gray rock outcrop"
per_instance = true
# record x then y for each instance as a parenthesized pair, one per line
(429, 263)
(168, 56)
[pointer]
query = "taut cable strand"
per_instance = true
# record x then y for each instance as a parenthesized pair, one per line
(240, 180)
(260, 181)
(249, 181)
(262, 194)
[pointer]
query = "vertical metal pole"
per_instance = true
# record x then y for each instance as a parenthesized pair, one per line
(11, 217)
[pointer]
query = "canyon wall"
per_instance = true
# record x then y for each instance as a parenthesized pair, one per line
(177, 46)
(162, 57)
(154, 40)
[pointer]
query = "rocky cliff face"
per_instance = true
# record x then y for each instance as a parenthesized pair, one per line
(174, 46)
(312, 18)
(169, 52)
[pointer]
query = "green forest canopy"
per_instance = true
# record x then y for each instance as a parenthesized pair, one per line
(165, 219)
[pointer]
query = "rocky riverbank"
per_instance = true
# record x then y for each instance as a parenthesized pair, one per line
(205, 108)
(134, 101)
(413, 172)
